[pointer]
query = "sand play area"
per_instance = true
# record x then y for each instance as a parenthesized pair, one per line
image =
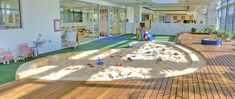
(143, 60)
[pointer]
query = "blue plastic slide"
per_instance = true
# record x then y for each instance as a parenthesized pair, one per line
(149, 35)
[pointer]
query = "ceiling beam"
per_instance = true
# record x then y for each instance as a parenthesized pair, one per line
(187, 9)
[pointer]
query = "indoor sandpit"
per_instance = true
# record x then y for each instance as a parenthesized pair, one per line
(143, 60)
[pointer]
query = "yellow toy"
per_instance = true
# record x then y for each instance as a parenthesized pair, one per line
(104, 67)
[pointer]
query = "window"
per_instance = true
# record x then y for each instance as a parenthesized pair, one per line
(70, 16)
(229, 19)
(10, 16)
(223, 18)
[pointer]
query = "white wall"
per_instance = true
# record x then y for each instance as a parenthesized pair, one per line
(131, 27)
(130, 14)
(174, 28)
(166, 28)
(37, 18)
(137, 14)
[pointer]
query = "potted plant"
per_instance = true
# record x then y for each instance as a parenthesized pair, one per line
(193, 30)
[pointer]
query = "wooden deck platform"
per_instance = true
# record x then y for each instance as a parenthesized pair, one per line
(216, 80)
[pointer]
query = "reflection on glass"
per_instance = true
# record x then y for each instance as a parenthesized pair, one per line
(82, 22)
(118, 21)
(79, 24)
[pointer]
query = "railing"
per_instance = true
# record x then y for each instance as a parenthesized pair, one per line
(166, 28)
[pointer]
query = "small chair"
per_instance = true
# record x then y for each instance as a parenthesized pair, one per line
(7, 56)
(1, 59)
(16, 55)
(26, 51)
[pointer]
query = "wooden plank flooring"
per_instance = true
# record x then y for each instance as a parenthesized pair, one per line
(214, 81)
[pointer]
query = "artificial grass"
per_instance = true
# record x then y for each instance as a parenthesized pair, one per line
(8, 72)
(164, 38)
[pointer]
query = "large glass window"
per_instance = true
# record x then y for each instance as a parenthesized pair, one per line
(118, 21)
(79, 22)
(229, 20)
(223, 18)
(71, 15)
(10, 16)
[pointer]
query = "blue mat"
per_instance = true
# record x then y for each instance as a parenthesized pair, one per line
(112, 39)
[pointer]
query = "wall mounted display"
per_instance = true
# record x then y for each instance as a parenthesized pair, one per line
(175, 17)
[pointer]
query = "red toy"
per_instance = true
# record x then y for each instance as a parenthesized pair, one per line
(90, 65)
(119, 64)
(72, 68)
(129, 59)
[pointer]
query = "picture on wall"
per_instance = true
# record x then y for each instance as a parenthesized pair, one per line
(57, 25)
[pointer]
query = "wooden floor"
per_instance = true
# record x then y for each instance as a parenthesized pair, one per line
(216, 80)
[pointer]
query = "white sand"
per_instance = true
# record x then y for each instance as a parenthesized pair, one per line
(143, 65)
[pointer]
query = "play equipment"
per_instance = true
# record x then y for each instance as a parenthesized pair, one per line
(129, 59)
(90, 65)
(119, 63)
(99, 62)
(111, 56)
(75, 68)
(159, 60)
(103, 68)
(144, 33)
(176, 54)
(211, 42)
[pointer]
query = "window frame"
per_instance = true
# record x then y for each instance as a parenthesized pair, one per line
(20, 17)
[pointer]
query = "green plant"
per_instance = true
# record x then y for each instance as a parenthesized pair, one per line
(225, 35)
(210, 29)
(193, 30)
(220, 34)
(228, 35)
(233, 37)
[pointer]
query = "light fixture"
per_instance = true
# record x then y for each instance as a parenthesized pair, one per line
(165, 1)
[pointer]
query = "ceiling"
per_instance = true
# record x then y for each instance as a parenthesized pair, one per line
(163, 2)
(161, 6)
(169, 6)
(69, 4)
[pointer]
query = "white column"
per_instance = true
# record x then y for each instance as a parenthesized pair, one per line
(109, 21)
(137, 14)
(130, 14)
(93, 27)
(99, 19)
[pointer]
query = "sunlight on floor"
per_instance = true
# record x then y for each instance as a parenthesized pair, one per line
(84, 54)
(62, 73)
(191, 54)
(36, 71)
(169, 73)
(105, 54)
